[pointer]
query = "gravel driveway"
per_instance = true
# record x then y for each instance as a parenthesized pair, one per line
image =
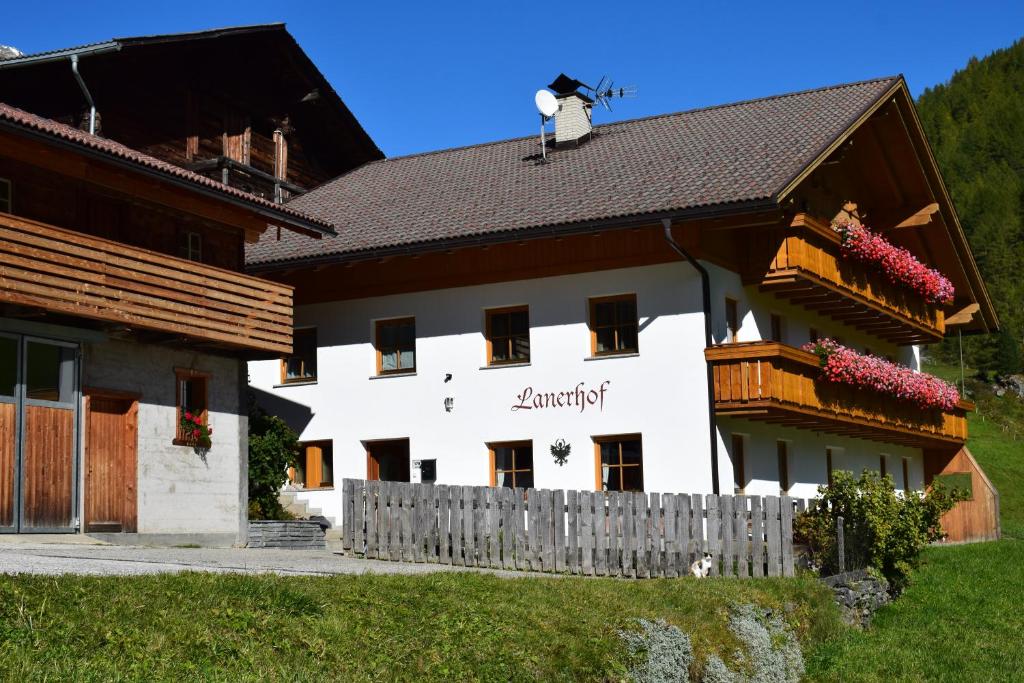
(111, 560)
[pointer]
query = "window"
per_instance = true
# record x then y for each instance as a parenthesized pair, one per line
(191, 247)
(732, 321)
(315, 468)
(739, 475)
(828, 465)
(906, 474)
(6, 200)
(396, 346)
(512, 464)
(191, 392)
(777, 330)
(783, 452)
(620, 463)
(508, 335)
(301, 365)
(812, 333)
(883, 465)
(613, 325)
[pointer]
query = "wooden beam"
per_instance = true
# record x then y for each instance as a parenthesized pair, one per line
(964, 315)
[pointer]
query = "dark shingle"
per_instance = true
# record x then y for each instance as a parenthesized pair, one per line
(730, 154)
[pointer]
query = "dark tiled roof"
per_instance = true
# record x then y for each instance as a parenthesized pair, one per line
(22, 119)
(727, 155)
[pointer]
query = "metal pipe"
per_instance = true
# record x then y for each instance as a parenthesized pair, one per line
(705, 281)
(85, 91)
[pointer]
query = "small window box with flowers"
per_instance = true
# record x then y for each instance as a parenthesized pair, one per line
(193, 430)
(193, 426)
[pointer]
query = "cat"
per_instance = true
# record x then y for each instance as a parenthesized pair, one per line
(701, 567)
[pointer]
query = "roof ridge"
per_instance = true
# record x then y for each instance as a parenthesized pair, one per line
(695, 110)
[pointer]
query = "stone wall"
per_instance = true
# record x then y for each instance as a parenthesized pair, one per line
(297, 534)
(859, 595)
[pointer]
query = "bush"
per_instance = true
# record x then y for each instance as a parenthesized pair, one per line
(771, 652)
(883, 531)
(273, 448)
(659, 651)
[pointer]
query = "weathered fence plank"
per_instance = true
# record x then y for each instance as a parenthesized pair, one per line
(604, 533)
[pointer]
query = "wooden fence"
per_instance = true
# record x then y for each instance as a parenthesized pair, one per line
(576, 532)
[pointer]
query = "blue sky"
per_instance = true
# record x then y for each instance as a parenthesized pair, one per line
(428, 75)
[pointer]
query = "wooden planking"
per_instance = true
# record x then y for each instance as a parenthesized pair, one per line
(783, 384)
(70, 272)
(348, 505)
(976, 519)
(592, 533)
(47, 467)
(8, 430)
(111, 463)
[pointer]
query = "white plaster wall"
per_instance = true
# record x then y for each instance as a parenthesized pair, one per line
(660, 393)
(179, 492)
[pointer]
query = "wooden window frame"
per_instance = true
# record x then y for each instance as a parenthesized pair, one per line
(304, 379)
(828, 465)
(491, 447)
(739, 463)
(883, 465)
(6, 182)
(307, 447)
(592, 304)
(506, 310)
(377, 325)
(906, 476)
(617, 438)
(732, 320)
(782, 452)
(812, 334)
(184, 375)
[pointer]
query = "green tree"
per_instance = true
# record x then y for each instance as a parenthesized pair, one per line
(273, 448)
(1007, 357)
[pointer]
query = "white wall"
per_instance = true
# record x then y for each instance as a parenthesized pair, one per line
(179, 491)
(660, 393)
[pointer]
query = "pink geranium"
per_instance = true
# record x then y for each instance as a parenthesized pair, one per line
(899, 265)
(843, 365)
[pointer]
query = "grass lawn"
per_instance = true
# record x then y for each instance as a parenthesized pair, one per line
(961, 620)
(435, 627)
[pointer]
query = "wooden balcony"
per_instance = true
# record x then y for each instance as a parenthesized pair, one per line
(802, 264)
(779, 384)
(71, 273)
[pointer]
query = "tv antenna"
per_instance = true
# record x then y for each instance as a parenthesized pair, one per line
(547, 105)
(605, 91)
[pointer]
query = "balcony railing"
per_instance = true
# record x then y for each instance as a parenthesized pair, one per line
(776, 383)
(71, 273)
(802, 265)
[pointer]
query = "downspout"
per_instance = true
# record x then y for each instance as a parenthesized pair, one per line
(705, 281)
(85, 91)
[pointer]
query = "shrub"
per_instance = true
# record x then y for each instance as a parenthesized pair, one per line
(660, 652)
(770, 652)
(273, 448)
(883, 531)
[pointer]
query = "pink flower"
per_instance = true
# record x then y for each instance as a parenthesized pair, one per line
(188, 415)
(843, 365)
(899, 265)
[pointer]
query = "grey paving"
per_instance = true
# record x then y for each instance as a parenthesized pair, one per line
(110, 560)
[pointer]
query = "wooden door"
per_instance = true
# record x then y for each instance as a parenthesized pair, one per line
(111, 461)
(9, 371)
(48, 438)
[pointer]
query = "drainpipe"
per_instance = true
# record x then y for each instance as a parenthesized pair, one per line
(705, 281)
(85, 91)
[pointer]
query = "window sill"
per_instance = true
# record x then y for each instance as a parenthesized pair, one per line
(389, 375)
(191, 443)
(303, 383)
(498, 366)
(312, 488)
(609, 356)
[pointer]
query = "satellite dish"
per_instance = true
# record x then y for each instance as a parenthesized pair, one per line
(547, 105)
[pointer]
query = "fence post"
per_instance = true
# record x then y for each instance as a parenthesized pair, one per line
(840, 544)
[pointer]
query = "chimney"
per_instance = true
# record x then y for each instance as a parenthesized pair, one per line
(573, 118)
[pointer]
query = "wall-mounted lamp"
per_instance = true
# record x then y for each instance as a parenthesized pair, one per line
(449, 404)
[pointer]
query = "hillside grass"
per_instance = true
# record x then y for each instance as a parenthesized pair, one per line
(445, 626)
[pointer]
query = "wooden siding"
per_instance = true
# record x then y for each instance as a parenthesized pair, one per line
(111, 463)
(67, 272)
(802, 264)
(8, 445)
(971, 520)
(776, 383)
(631, 534)
(47, 467)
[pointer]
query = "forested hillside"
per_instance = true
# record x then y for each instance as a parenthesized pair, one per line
(975, 124)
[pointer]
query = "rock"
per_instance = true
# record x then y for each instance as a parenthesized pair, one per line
(859, 595)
